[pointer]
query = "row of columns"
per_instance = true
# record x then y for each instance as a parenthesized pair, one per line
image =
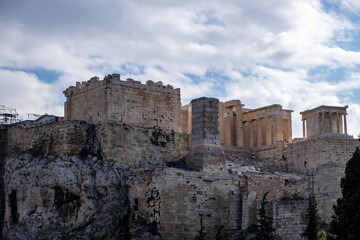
(341, 125)
(270, 131)
(340, 122)
(233, 121)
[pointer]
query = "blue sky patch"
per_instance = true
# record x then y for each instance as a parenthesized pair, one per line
(130, 69)
(44, 75)
(217, 78)
(352, 42)
(326, 73)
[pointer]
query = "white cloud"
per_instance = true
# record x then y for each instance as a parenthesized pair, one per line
(266, 48)
(27, 94)
(293, 90)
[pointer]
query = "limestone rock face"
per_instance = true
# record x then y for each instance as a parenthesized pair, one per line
(63, 197)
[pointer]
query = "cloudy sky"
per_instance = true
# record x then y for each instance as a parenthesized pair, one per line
(297, 53)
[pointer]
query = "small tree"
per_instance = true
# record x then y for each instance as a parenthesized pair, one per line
(345, 223)
(263, 230)
(321, 235)
(312, 227)
(201, 233)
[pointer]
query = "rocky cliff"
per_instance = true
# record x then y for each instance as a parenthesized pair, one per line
(56, 183)
(63, 198)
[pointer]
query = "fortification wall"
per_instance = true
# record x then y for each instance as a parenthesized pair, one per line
(130, 102)
(147, 105)
(136, 145)
(177, 200)
(307, 155)
(326, 183)
(272, 155)
(324, 160)
(57, 138)
(119, 142)
(87, 101)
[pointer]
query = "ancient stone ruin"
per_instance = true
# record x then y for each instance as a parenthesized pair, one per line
(174, 165)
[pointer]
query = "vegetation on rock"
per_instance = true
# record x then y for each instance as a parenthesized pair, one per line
(263, 229)
(201, 233)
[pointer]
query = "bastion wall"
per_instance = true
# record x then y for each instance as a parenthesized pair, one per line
(177, 200)
(119, 142)
(129, 102)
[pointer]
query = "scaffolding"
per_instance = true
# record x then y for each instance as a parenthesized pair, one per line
(8, 115)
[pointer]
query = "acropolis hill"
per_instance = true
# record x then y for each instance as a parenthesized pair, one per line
(128, 150)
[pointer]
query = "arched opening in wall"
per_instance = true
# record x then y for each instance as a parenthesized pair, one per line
(13, 208)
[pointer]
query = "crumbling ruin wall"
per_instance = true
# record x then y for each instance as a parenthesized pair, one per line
(137, 146)
(119, 142)
(58, 138)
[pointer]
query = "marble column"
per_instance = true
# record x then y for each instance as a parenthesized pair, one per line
(239, 127)
(341, 123)
(268, 131)
(330, 122)
(251, 134)
(259, 133)
(345, 124)
(228, 119)
(304, 130)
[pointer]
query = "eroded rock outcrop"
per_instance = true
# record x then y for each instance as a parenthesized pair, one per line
(64, 198)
